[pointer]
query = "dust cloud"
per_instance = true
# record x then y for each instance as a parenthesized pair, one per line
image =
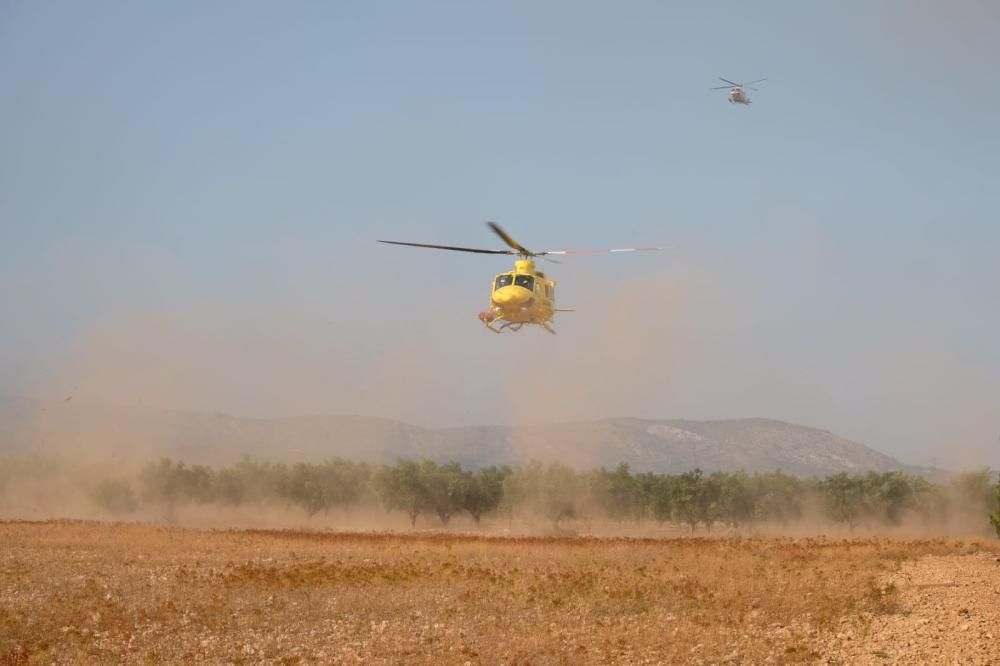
(614, 366)
(702, 340)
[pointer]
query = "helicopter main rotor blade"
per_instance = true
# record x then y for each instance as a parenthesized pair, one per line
(722, 88)
(448, 247)
(498, 230)
(738, 85)
(757, 81)
(605, 250)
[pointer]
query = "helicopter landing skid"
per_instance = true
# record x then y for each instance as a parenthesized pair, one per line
(488, 319)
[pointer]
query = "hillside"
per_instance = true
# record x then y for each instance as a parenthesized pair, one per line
(105, 433)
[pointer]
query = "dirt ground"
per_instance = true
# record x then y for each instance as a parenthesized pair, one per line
(82, 593)
(948, 613)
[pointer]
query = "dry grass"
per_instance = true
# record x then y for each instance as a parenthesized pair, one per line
(98, 593)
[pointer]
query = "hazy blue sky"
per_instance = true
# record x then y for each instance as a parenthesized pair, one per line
(190, 193)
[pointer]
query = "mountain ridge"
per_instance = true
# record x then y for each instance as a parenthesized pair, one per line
(95, 431)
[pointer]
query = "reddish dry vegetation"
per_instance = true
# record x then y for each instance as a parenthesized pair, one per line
(94, 593)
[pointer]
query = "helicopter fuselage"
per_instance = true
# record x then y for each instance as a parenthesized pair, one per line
(737, 96)
(522, 296)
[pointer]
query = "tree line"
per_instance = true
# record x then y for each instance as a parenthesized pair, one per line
(548, 493)
(555, 493)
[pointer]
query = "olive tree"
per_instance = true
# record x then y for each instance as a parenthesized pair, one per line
(402, 486)
(995, 517)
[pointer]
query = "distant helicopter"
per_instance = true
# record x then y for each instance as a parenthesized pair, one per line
(736, 93)
(524, 295)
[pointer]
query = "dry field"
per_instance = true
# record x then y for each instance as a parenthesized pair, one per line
(75, 592)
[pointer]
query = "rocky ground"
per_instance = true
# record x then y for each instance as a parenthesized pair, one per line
(87, 593)
(947, 611)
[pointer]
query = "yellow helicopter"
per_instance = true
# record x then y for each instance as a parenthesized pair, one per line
(524, 295)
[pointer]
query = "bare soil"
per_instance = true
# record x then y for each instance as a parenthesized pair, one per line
(948, 612)
(83, 593)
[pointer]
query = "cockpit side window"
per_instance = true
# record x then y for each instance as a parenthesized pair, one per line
(526, 281)
(504, 280)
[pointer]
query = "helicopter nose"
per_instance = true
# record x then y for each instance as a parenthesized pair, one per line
(511, 296)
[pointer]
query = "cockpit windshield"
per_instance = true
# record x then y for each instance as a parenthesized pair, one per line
(526, 281)
(504, 280)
